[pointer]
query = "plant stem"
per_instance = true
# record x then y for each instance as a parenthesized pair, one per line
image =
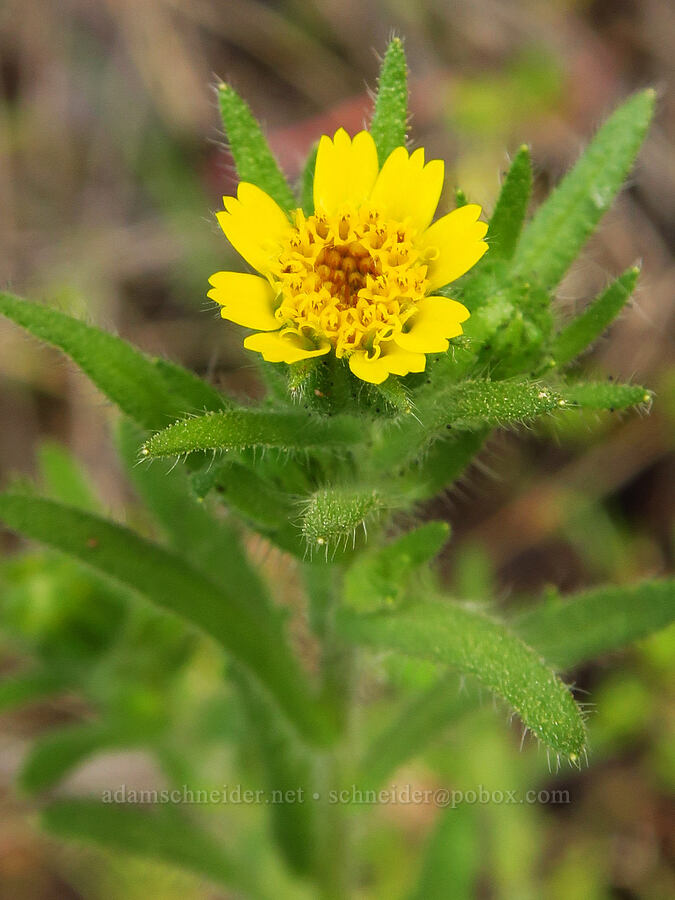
(333, 846)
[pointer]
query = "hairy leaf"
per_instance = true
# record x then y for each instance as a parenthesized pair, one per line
(572, 630)
(473, 643)
(605, 395)
(563, 223)
(333, 515)
(587, 327)
(566, 632)
(250, 150)
(379, 578)
(468, 406)
(390, 116)
(209, 542)
(132, 380)
(507, 219)
(236, 429)
(200, 395)
(177, 587)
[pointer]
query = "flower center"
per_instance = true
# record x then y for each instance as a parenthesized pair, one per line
(343, 268)
(353, 277)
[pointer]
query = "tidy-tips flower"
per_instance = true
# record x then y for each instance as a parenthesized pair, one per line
(357, 277)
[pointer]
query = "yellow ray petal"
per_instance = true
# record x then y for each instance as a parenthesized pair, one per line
(407, 188)
(255, 226)
(392, 360)
(246, 300)
(345, 170)
(287, 347)
(453, 244)
(436, 319)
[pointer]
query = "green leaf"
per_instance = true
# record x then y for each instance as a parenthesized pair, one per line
(571, 631)
(27, 687)
(239, 428)
(587, 327)
(472, 643)
(379, 578)
(420, 721)
(507, 219)
(453, 856)
(209, 542)
(55, 755)
(441, 465)
(200, 395)
(605, 395)
(126, 376)
(64, 478)
(476, 404)
(250, 150)
(333, 516)
(390, 116)
(288, 775)
(566, 632)
(469, 406)
(307, 185)
(175, 586)
(564, 222)
(161, 833)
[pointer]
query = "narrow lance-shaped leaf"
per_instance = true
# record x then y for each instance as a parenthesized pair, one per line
(161, 833)
(569, 631)
(210, 543)
(475, 404)
(605, 395)
(200, 395)
(252, 156)
(453, 856)
(390, 116)
(509, 214)
(441, 465)
(421, 721)
(55, 755)
(132, 380)
(177, 587)
(379, 578)
(473, 643)
(27, 687)
(236, 429)
(287, 767)
(563, 223)
(470, 406)
(587, 327)
(64, 478)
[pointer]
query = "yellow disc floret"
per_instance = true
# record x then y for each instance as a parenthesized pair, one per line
(356, 277)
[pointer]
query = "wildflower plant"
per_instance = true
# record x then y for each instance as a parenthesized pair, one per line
(392, 338)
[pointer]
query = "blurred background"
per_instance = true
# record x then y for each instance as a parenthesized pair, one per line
(112, 162)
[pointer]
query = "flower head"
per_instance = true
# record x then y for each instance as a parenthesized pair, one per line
(358, 276)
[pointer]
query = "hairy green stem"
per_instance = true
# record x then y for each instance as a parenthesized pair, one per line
(333, 847)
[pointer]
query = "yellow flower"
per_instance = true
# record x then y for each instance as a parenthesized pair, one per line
(358, 276)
